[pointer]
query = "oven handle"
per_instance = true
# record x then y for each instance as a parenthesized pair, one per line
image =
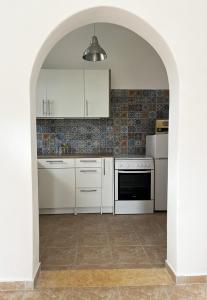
(134, 172)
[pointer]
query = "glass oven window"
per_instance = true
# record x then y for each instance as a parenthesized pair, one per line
(134, 186)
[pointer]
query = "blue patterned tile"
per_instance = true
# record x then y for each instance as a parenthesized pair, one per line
(138, 110)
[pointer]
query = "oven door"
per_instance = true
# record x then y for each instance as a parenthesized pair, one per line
(133, 185)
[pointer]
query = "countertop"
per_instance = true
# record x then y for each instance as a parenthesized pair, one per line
(93, 155)
(79, 155)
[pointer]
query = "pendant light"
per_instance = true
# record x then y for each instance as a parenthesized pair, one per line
(94, 52)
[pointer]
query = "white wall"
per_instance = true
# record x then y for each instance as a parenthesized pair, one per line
(25, 25)
(133, 62)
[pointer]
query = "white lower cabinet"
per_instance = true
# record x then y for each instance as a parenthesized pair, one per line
(88, 197)
(88, 177)
(56, 190)
(65, 187)
(108, 185)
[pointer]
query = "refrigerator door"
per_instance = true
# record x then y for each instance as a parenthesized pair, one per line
(161, 172)
(157, 145)
(161, 148)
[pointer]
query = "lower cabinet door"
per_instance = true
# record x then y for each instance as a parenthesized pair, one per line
(87, 177)
(56, 188)
(88, 197)
(108, 183)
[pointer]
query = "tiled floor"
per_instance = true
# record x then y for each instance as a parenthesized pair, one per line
(102, 241)
(182, 292)
(100, 255)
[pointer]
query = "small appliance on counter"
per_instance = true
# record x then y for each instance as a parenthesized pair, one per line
(157, 147)
(161, 126)
(134, 185)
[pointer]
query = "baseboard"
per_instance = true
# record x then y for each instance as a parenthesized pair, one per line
(54, 211)
(36, 275)
(170, 271)
(87, 210)
(185, 279)
(20, 285)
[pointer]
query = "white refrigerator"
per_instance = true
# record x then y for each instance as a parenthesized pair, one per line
(157, 147)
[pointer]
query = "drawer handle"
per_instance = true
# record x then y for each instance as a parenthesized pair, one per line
(88, 191)
(93, 160)
(104, 167)
(55, 161)
(88, 171)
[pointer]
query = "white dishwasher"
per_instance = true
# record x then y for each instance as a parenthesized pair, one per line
(56, 186)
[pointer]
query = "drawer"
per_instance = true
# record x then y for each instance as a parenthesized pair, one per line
(88, 162)
(88, 177)
(88, 197)
(56, 163)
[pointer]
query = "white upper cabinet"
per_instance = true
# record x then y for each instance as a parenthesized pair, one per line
(73, 93)
(60, 93)
(41, 94)
(97, 93)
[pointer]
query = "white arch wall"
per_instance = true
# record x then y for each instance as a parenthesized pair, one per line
(133, 62)
(24, 28)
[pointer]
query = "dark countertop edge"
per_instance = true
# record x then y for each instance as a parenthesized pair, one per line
(119, 157)
(74, 156)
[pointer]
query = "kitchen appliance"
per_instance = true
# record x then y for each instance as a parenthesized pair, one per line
(134, 185)
(161, 126)
(157, 147)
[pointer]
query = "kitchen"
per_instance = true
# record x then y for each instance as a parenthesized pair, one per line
(77, 144)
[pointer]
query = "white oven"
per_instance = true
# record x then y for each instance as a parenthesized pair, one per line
(134, 185)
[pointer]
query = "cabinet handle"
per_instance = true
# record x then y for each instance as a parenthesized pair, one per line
(86, 107)
(87, 161)
(104, 167)
(43, 107)
(48, 107)
(87, 191)
(55, 161)
(88, 171)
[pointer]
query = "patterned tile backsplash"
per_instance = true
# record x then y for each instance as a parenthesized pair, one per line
(133, 115)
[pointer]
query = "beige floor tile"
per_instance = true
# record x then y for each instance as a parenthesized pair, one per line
(120, 227)
(95, 293)
(59, 256)
(94, 256)
(188, 292)
(123, 239)
(143, 227)
(144, 293)
(104, 278)
(62, 239)
(93, 239)
(153, 238)
(66, 228)
(92, 227)
(129, 255)
(156, 254)
(47, 294)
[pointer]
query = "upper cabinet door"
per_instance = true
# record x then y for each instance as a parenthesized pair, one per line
(64, 93)
(96, 93)
(41, 95)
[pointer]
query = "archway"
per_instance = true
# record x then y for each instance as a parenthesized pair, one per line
(140, 27)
